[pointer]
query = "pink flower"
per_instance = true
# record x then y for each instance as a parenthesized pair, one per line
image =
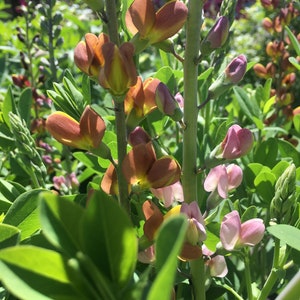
(169, 194)
(237, 142)
(234, 234)
(147, 256)
(196, 231)
(224, 179)
(217, 264)
(236, 69)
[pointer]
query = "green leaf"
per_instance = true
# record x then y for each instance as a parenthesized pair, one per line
(247, 105)
(9, 236)
(296, 122)
(250, 213)
(251, 171)
(23, 213)
(33, 273)
(168, 247)
(294, 41)
(24, 105)
(286, 149)
(86, 89)
(89, 160)
(165, 75)
(267, 152)
(279, 168)
(265, 185)
(294, 62)
(286, 233)
(7, 140)
(8, 106)
(10, 190)
(108, 238)
(60, 219)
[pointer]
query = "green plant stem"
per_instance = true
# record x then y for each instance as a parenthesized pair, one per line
(119, 111)
(232, 291)
(198, 278)
(189, 177)
(50, 43)
(273, 276)
(248, 275)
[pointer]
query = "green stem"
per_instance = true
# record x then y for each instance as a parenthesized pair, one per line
(189, 177)
(273, 276)
(119, 111)
(248, 275)
(198, 278)
(232, 291)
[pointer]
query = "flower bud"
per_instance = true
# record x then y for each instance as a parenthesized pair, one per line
(284, 202)
(216, 37)
(166, 103)
(232, 74)
(138, 136)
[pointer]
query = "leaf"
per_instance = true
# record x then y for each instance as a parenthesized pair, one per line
(251, 171)
(286, 149)
(8, 106)
(9, 236)
(60, 219)
(108, 238)
(23, 213)
(168, 247)
(86, 89)
(279, 168)
(250, 213)
(294, 41)
(10, 190)
(89, 160)
(296, 122)
(294, 62)
(267, 152)
(286, 233)
(165, 75)
(265, 185)
(33, 273)
(247, 105)
(24, 105)
(7, 140)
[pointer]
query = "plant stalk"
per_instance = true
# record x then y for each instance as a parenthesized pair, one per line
(112, 25)
(189, 166)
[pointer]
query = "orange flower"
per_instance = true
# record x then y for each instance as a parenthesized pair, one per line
(140, 99)
(112, 66)
(155, 26)
(86, 134)
(88, 54)
(143, 170)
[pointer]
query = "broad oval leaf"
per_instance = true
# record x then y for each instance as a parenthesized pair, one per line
(108, 238)
(23, 213)
(286, 233)
(9, 235)
(33, 273)
(60, 220)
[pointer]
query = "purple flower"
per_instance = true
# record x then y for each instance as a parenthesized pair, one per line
(236, 69)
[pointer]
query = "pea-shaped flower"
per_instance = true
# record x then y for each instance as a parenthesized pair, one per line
(223, 179)
(155, 26)
(86, 134)
(237, 142)
(234, 234)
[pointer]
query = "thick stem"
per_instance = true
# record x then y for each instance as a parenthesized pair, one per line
(119, 110)
(189, 177)
(248, 276)
(193, 25)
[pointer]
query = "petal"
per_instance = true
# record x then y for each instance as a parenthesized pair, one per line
(252, 231)
(163, 172)
(140, 17)
(92, 127)
(138, 162)
(217, 266)
(231, 143)
(212, 179)
(169, 20)
(150, 86)
(101, 40)
(245, 137)
(190, 252)
(66, 130)
(81, 57)
(109, 182)
(235, 176)
(230, 230)
(154, 219)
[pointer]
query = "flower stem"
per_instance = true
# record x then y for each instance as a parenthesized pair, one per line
(189, 166)
(248, 275)
(273, 276)
(112, 26)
